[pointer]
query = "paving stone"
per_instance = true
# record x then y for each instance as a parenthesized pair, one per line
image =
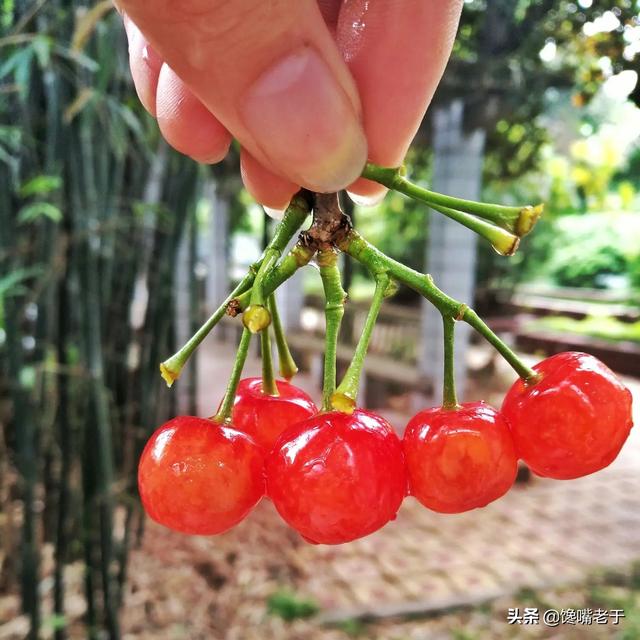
(354, 569)
(475, 580)
(369, 594)
(425, 587)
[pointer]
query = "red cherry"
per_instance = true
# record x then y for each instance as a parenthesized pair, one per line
(265, 417)
(572, 422)
(199, 477)
(459, 459)
(337, 477)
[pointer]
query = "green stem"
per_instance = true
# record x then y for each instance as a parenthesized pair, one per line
(333, 311)
(519, 220)
(299, 256)
(269, 386)
(344, 398)
(449, 397)
(503, 241)
(171, 368)
(525, 372)
(288, 367)
(357, 247)
(295, 215)
(256, 316)
(226, 408)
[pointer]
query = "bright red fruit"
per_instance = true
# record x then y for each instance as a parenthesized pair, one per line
(199, 477)
(265, 417)
(459, 459)
(337, 477)
(572, 422)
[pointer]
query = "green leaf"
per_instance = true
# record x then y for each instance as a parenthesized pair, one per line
(6, 14)
(77, 57)
(289, 606)
(56, 621)
(36, 210)
(11, 137)
(11, 284)
(40, 185)
(7, 158)
(19, 64)
(42, 48)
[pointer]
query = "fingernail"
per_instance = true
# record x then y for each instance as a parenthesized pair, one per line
(305, 123)
(368, 200)
(276, 214)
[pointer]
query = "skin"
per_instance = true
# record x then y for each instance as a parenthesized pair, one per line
(337, 477)
(199, 477)
(327, 85)
(459, 459)
(574, 421)
(265, 417)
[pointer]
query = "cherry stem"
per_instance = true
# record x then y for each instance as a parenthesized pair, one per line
(226, 408)
(293, 219)
(171, 368)
(504, 242)
(449, 397)
(333, 311)
(298, 257)
(257, 317)
(519, 220)
(376, 261)
(288, 367)
(344, 397)
(269, 386)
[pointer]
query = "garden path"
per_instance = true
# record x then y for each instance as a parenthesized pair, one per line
(541, 533)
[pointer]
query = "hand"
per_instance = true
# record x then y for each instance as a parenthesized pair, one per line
(311, 89)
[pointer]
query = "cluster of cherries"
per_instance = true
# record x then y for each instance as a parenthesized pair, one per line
(335, 477)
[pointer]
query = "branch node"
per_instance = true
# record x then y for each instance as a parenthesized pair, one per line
(462, 309)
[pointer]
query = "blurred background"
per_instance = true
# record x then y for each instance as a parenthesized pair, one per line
(113, 249)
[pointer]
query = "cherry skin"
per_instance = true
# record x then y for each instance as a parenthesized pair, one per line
(337, 477)
(459, 459)
(265, 417)
(572, 422)
(199, 477)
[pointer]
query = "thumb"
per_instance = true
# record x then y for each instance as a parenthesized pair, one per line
(270, 72)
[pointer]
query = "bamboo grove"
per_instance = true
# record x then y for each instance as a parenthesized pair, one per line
(92, 207)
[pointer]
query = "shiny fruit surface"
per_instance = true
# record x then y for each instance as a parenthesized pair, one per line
(573, 421)
(337, 477)
(199, 477)
(265, 417)
(459, 459)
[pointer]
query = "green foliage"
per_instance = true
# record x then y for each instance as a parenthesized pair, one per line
(289, 606)
(579, 250)
(461, 634)
(634, 271)
(603, 327)
(78, 156)
(514, 146)
(497, 69)
(36, 210)
(583, 262)
(586, 248)
(40, 185)
(620, 591)
(354, 628)
(55, 622)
